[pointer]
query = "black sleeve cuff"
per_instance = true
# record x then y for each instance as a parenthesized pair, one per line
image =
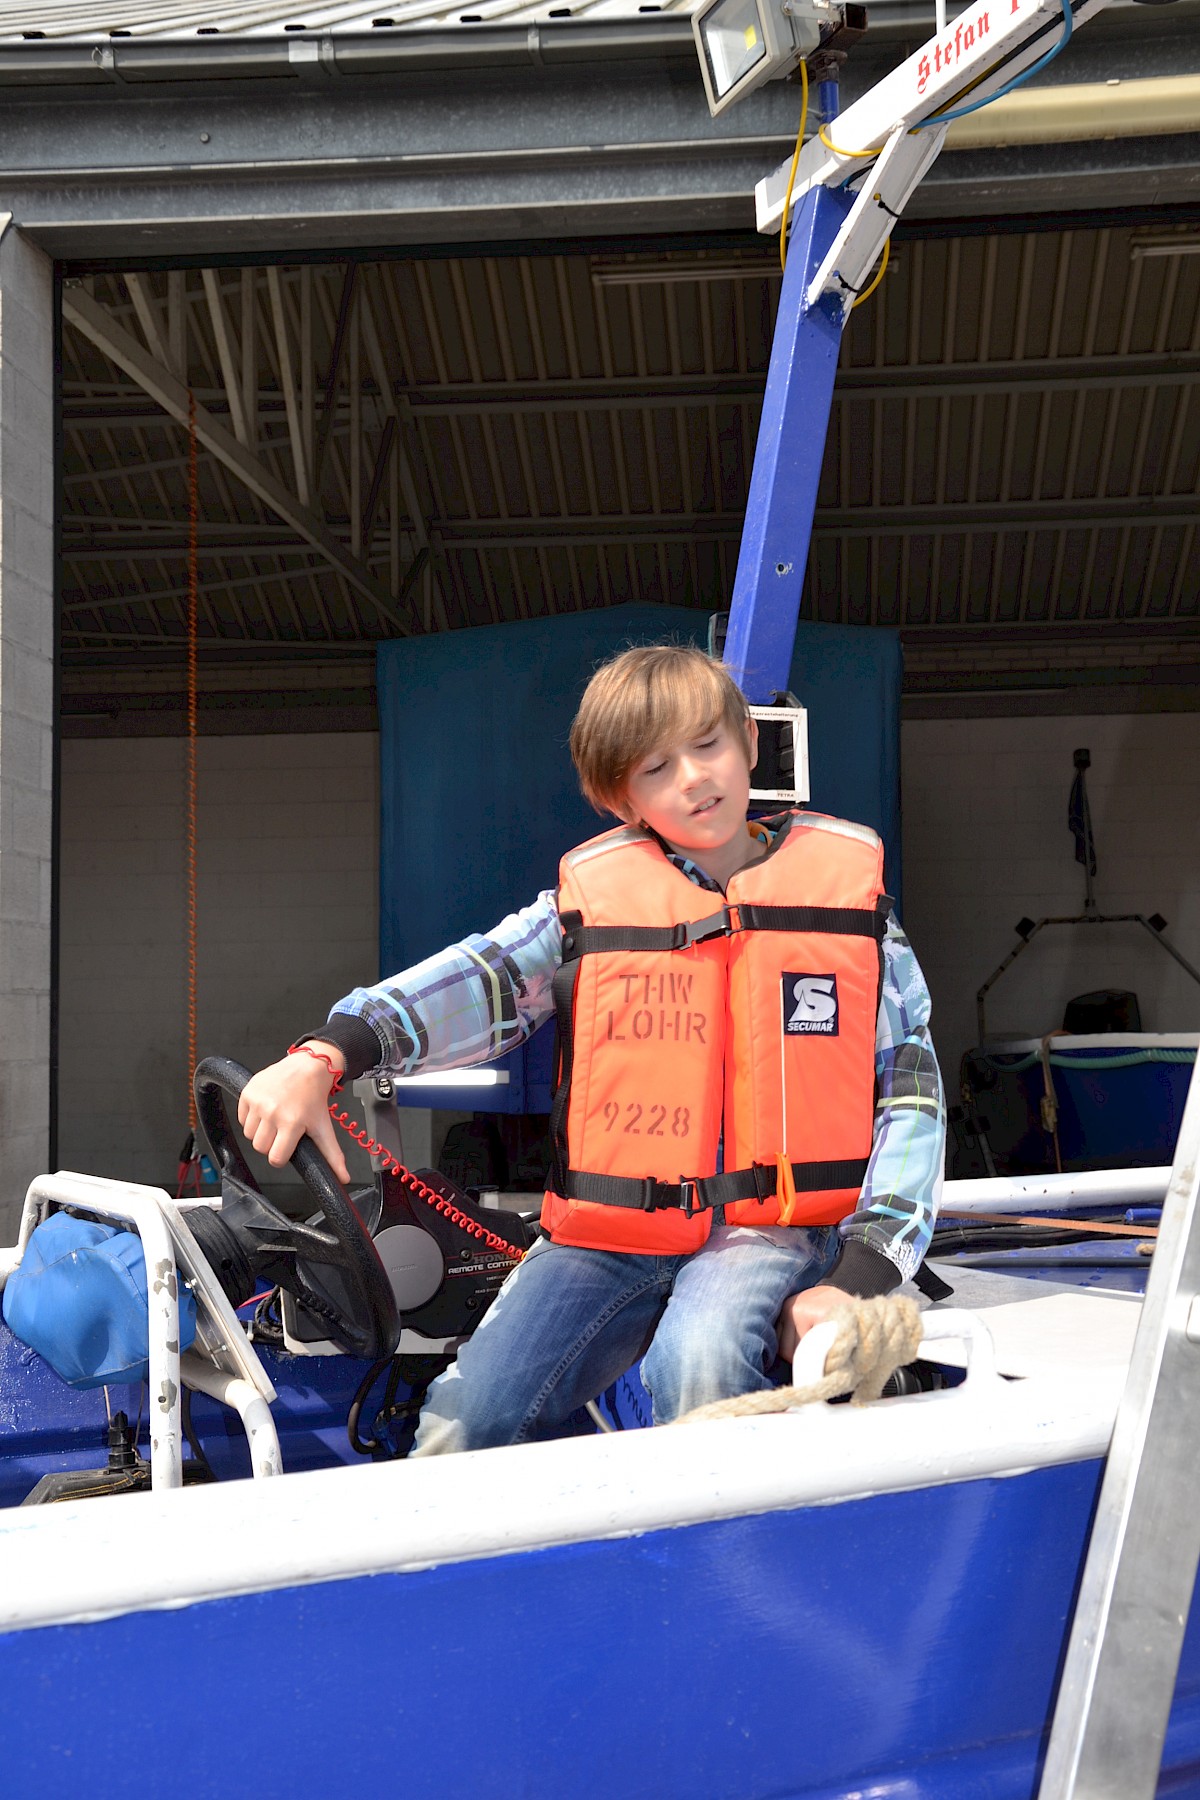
(862, 1271)
(361, 1049)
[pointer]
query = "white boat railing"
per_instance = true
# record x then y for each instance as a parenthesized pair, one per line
(223, 1365)
(136, 1207)
(1052, 1193)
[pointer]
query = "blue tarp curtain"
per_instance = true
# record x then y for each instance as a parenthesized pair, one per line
(478, 795)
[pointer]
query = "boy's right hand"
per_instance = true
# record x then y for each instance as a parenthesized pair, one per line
(288, 1099)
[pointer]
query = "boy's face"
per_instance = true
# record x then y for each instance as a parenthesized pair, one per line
(695, 794)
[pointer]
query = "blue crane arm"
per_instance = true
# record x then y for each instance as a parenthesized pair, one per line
(787, 458)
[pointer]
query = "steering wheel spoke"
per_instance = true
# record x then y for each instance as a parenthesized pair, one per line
(251, 1236)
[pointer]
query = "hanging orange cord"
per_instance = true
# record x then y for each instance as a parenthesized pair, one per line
(193, 624)
(189, 1156)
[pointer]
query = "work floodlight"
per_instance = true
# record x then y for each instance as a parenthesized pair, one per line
(742, 43)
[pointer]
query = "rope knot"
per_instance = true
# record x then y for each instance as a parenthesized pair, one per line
(874, 1339)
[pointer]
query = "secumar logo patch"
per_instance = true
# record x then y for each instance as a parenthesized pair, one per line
(810, 1005)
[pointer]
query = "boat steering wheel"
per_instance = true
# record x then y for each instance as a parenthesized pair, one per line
(330, 1264)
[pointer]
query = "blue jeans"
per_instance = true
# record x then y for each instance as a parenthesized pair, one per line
(568, 1322)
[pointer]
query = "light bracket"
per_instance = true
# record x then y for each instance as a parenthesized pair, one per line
(744, 43)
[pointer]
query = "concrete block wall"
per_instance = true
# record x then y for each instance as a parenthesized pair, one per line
(26, 711)
(287, 922)
(986, 841)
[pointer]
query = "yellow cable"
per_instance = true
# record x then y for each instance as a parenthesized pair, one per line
(879, 274)
(829, 145)
(787, 199)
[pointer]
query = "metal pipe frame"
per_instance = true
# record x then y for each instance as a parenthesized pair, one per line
(137, 1207)
(266, 1458)
(1083, 918)
(1104, 1188)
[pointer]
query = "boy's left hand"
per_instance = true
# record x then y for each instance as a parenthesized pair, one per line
(800, 1312)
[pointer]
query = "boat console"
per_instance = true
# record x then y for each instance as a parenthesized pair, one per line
(393, 1276)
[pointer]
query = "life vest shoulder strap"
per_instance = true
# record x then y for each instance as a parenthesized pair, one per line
(834, 921)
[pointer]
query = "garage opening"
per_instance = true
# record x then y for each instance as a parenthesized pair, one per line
(401, 444)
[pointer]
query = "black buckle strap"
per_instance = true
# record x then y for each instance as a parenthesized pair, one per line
(758, 1182)
(627, 1191)
(828, 921)
(562, 989)
(699, 931)
(931, 1284)
(588, 940)
(693, 1194)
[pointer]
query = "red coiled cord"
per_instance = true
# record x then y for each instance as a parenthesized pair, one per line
(430, 1196)
(373, 1148)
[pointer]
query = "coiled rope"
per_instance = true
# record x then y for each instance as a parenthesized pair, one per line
(874, 1339)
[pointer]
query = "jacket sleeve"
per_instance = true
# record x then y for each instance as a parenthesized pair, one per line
(468, 1004)
(884, 1240)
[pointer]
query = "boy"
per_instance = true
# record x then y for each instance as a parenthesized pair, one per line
(748, 1129)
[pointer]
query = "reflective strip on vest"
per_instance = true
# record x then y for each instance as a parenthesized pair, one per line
(685, 1019)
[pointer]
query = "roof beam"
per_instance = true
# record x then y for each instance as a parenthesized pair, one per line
(81, 600)
(146, 308)
(177, 304)
(101, 329)
(371, 506)
(166, 537)
(422, 561)
(907, 381)
(287, 381)
(949, 520)
(227, 357)
(332, 380)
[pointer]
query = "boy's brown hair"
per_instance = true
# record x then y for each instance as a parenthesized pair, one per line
(645, 698)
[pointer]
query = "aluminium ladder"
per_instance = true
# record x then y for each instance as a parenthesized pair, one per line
(1118, 1679)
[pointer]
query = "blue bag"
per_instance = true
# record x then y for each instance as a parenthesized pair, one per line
(79, 1299)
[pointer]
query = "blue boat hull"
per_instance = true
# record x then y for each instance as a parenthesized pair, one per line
(902, 1645)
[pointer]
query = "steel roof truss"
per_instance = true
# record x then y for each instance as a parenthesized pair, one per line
(102, 330)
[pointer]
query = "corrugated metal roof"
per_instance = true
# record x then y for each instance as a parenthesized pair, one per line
(1015, 442)
(23, 19)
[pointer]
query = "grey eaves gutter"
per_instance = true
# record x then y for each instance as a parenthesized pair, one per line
(384, 51)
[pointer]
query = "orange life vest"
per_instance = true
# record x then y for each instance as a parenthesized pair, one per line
(684, 1020)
